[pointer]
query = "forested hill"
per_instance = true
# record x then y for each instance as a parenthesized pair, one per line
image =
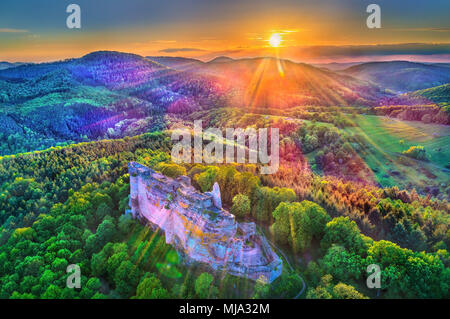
(177, 63)
(439, 94)
(401, 76)
(278, 83)
(101, 95)
(112, 94)
(6, 65)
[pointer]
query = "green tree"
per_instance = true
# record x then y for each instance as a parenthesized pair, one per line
(267, 199)
(150, 288)
(344, 232)
(172, 170)
(90, 288)
(204, 287)
(207, 179)
(126, 278)
(102, 211)
(52, 292)
(417, 152)
(241, 206)
(297, 224)
(342, 265)
(343, 291)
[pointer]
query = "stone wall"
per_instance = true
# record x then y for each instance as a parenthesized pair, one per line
(199, 228)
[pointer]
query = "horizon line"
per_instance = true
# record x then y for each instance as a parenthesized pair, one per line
(364, 57)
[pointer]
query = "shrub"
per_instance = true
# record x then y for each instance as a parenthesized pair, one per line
(207, 179)
(241, 206)
(418, 152)
(171, 170)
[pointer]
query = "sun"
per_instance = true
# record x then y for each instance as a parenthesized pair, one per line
(275, 40)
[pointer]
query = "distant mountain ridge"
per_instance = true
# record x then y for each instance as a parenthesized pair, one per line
(6, 65)
(221, 59)
(401, 76)
(107, 94)
(177, 63)
(271, 82)
(103, 94)
(111, 69)
(336, 66)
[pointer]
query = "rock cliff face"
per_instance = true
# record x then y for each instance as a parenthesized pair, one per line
(197, 225)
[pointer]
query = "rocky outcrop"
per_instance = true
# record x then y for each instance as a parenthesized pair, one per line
(197, 225)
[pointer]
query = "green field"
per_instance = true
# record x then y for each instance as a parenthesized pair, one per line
(384, 139)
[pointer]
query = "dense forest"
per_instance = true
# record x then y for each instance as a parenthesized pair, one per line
(66, 206)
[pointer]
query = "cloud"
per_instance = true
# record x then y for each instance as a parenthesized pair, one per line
(164, 41)
(347, 53)
(376, 50)
(423, 29)
(174, 50)
(9, 30)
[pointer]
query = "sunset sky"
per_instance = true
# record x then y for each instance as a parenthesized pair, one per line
(312, 31)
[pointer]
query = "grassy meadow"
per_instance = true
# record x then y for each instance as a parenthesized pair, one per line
(384, 139)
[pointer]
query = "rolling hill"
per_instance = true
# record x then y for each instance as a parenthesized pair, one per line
(221, 59)
(401, 76)
(276, 83)
(439, 94)
(177, 63)
(336, 66)
(6, 65)
(108, 94)
(103, 94)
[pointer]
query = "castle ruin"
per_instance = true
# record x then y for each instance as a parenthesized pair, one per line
(199, 228)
